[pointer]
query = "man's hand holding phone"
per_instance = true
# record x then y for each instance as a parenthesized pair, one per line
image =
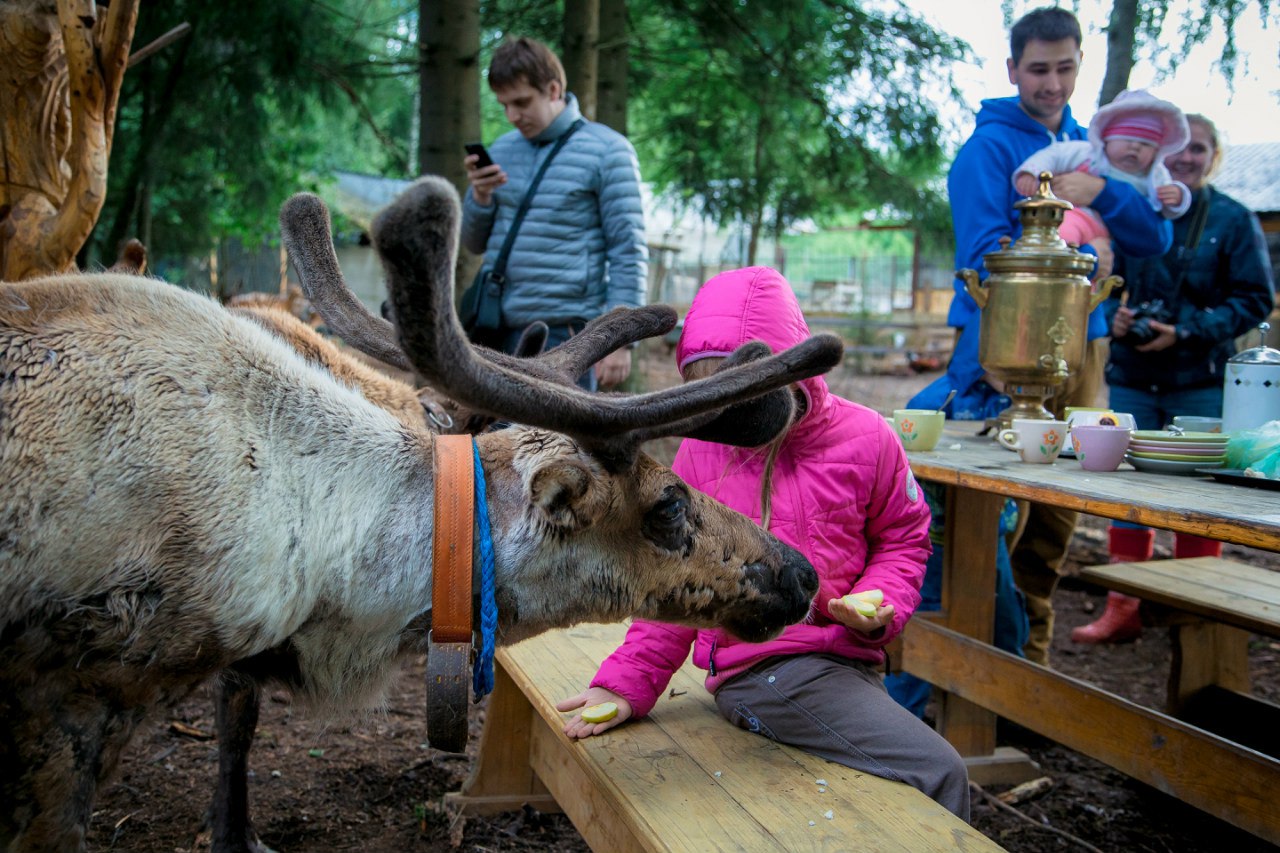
(483, 174)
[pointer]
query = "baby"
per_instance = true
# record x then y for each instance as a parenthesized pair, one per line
(1128, 140)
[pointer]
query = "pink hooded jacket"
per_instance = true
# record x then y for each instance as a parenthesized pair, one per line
(842, 494)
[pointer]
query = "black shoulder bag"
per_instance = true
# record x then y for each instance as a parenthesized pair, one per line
(481, 307)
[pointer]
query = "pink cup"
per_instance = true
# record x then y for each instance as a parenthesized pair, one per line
(1100, 448)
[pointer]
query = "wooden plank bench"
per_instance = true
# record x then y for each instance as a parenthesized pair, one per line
(682, 778)
(1211, 606)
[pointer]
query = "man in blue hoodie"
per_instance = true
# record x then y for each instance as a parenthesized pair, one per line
(1045, 59)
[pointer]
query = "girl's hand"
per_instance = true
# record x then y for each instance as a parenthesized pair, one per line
(1170, 195)
(843, 612)
(1027, 183)
(577, 727)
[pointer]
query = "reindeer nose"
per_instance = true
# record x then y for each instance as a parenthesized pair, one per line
(797, 571)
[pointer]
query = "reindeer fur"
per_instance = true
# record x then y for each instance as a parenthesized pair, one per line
(182, 491)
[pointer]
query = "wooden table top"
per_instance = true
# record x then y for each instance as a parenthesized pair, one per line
(1191, 504)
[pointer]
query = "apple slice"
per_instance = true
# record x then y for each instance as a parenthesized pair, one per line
(600, 713)
(875, 596)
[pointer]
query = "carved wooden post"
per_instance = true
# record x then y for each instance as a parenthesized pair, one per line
(60, 81)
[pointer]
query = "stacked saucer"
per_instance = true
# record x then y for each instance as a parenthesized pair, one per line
(1159, 452)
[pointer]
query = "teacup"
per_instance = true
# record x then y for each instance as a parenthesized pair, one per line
(1100, 447)
(1035, 440)
(1197, 423)
(919, 429)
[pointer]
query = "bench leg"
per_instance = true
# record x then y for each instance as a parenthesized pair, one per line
(1206, 654)
(501, 778)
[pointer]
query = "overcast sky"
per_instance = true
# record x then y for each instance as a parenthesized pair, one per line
(1252, 114)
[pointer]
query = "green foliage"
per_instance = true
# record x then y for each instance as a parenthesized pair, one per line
(216, 130)
(771, 113)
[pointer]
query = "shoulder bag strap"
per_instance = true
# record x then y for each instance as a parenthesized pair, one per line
(1187, 250)
(500, 265)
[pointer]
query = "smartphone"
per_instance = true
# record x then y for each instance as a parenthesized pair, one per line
(478, 149)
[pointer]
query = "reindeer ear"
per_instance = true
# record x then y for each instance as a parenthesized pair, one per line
(563, 492)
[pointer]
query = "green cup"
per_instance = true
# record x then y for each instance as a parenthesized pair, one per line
(919, 429)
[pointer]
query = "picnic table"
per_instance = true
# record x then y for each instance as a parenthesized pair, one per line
(952, 649)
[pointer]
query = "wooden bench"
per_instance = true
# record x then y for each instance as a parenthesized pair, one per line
(683, 778)
(1211, 606)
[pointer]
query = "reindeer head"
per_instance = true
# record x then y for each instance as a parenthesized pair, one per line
(585, 526)
(575, 541)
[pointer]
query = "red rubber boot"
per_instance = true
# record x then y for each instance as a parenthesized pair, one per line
(1188, 545)
(1120, 622)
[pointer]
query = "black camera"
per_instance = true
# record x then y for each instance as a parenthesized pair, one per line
(1143, 313)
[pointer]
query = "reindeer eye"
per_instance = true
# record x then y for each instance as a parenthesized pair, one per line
(670, 510)
(664, 523)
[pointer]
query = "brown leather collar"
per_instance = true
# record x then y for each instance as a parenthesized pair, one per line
(449, 643)
(451, 544)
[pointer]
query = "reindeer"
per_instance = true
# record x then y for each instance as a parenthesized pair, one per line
(182, 492)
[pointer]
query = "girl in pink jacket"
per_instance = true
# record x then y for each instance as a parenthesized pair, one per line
(835, 485)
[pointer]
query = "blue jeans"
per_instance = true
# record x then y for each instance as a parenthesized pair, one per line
(557, 333)
(1012, 628)
(1152, 410)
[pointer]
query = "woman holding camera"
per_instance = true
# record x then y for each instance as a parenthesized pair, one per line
(1173, 330)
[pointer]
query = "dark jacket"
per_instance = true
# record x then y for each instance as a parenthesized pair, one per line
(1227, 291)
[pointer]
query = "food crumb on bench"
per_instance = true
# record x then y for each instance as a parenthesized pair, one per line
(718, 774)
(813, 823)
(829, 814)
(820, 782)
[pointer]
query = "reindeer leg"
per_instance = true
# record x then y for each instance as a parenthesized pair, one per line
(237, 719)
(57, 745)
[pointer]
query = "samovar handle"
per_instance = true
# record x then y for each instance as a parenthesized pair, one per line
(974, 286)
(1104, 290)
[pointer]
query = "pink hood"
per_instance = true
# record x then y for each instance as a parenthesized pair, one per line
(842, 494)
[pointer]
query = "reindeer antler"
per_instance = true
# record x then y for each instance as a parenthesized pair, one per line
(304, 224)
(417, 238)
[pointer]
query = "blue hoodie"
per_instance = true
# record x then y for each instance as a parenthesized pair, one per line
(980, 186)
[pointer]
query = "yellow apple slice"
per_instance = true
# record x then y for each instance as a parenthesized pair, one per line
(860, 606)
(875, 596)
(600, 713)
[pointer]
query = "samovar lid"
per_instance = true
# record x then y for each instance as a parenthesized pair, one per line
(1261, 354)
(1040, 248)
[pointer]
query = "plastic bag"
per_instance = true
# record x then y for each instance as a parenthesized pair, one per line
(1257, 449)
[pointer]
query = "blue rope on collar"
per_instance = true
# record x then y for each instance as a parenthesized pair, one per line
(482, 673)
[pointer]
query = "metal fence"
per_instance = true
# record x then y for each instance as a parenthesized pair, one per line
(866, 287)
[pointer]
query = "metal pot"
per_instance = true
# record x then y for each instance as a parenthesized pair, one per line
(1251, 391)
(1035, 307)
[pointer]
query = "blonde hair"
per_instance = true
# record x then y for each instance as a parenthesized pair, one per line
(1215, 138)
(704, 367)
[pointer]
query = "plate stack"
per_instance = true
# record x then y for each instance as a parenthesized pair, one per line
(1159, 452)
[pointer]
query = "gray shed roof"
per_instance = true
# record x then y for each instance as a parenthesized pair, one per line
(1251, 175)
(360, 197)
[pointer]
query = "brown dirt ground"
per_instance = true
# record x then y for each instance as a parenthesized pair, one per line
(371, 784)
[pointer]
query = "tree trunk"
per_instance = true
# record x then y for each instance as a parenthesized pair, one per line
(60, 80)
(449, 86)
(133, 212)
(1121, 37)
(581, 61)
(614, 57)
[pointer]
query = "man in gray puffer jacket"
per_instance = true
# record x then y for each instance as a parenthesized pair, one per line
(580, 250)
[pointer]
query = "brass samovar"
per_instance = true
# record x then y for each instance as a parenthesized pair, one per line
(1035, 307)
